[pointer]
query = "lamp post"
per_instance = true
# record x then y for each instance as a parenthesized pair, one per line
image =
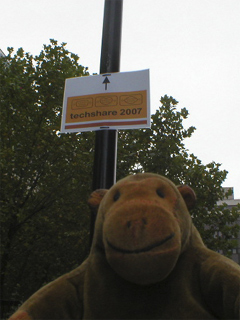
(105, 157)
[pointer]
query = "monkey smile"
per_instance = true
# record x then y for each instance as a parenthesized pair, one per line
(148, 248)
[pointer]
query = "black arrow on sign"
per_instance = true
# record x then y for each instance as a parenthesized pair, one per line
(106, 81)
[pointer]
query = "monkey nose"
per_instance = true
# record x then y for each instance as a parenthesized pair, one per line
(136, 223)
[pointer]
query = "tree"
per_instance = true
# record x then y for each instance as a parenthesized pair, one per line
(46, 176)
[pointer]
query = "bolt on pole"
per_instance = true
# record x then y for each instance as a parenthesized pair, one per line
(105, 157)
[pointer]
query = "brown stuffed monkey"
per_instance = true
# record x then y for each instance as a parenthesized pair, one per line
(147, 261)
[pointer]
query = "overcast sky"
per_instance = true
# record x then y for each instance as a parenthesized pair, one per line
(192, 48)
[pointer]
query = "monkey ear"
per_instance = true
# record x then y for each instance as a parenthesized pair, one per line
(188, 195)
(96, 198)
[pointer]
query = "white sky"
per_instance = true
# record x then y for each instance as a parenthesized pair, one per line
(192, 48)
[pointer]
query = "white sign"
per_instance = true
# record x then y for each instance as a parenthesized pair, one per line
(106, 101)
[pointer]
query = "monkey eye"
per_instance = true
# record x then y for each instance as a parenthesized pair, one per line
(160, 193)
(116, 196)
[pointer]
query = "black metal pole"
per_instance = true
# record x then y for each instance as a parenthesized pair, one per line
(104, 170)
(111, 36)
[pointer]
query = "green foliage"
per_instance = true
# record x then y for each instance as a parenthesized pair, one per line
(46, 177)
(160, 149)
(219, 228)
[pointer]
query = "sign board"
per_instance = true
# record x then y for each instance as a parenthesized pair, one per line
(106, 101)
